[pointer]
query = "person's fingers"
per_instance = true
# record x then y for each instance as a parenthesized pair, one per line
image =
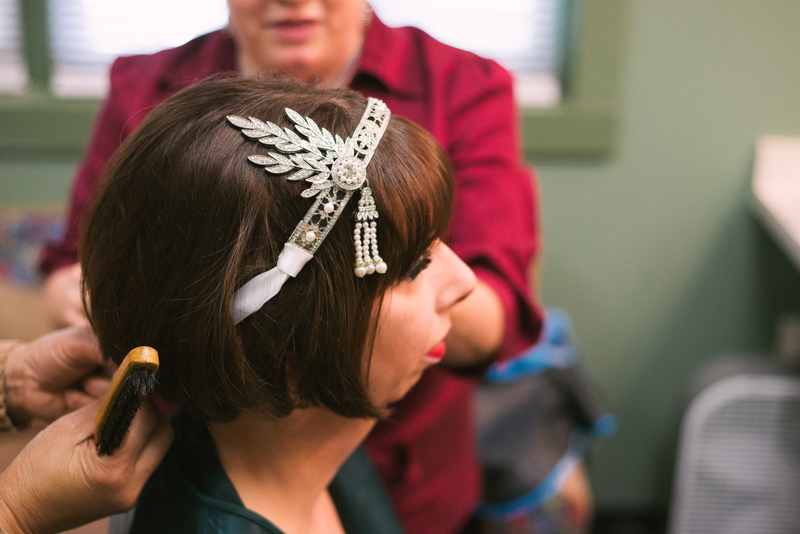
(62, 292)
(96, 385)
(58, 360)
(156, 446)
(74, 317)
(74, 399)
(59, 481)
(141, 429)
(78, 424)
(80, 346)
(46, 486)
(41, 375)
(109, 477)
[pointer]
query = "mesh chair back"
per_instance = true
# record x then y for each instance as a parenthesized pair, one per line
(739, 460)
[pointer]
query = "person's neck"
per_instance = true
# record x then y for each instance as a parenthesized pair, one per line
(336, 79)
(282, 468)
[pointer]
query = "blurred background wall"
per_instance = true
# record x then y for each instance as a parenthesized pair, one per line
(39, 179)
(651, 249)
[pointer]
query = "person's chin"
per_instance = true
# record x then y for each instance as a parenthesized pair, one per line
(298, 61)
(413, 381)
(400, 393)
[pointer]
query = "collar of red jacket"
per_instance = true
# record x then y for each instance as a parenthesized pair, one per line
(386, 57)
(204, 56)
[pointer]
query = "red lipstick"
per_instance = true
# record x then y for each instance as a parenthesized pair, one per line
(438, 351)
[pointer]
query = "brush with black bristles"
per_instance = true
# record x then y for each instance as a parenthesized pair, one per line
(133, 382)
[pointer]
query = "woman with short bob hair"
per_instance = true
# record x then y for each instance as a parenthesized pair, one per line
(274, 405)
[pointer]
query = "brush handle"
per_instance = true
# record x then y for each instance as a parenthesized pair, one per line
(140, 357)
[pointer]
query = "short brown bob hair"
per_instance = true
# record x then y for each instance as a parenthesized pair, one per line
(183, 219)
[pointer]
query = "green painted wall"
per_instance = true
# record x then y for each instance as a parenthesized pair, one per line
(31, 180)
(652, 249)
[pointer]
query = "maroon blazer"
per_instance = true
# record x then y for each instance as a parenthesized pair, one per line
(426, 454)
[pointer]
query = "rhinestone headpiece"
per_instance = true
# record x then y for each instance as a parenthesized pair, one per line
(335, 168)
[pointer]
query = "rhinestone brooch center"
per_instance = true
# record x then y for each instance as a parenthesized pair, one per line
(349, 173)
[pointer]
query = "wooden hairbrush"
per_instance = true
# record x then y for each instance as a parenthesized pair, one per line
(132, 383)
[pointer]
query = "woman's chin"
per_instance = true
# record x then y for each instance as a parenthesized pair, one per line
(296, 61)
(407, 386)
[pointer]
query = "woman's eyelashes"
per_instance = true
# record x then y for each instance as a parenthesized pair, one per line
(420, 265)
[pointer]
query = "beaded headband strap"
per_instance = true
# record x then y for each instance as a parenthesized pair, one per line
(335, 169)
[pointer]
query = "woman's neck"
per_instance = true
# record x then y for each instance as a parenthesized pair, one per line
(338, 78)
(282, 468)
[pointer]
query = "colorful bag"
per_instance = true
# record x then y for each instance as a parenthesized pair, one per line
(536, 413)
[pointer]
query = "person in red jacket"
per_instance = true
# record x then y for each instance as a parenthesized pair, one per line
(426, 454)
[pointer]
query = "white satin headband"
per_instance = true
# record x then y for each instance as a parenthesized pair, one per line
(335, 169)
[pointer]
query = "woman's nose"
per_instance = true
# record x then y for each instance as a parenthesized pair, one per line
(456, 279)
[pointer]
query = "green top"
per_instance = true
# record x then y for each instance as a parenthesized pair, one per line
(190, 493)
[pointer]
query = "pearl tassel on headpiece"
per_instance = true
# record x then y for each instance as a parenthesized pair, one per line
(366, 264)
(334, 175)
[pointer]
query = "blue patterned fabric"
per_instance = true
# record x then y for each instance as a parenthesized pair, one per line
(22, 235)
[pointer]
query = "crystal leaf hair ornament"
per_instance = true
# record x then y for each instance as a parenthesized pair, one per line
(335, 168)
